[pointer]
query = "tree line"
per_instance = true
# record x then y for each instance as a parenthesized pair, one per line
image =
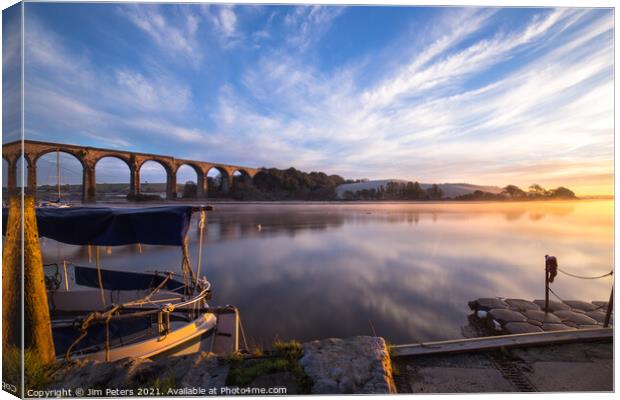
(287, 184)
(291, 184)
(413, 191)
(513, 192)
(395, 191)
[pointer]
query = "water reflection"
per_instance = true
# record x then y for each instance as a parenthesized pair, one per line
(404, 270)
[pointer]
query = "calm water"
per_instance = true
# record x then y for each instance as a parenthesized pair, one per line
(405, 270)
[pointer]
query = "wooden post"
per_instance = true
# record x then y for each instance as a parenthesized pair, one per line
(11, 277)
(610, 305)
(37, 321)
(551, 270)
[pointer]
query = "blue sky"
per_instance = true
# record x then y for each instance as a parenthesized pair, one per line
(481, 95)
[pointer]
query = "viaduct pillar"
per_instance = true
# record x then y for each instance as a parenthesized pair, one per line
(134, 179)
(32, 178)
(171, 185)
(89, 184)
(202, 186)
(11, 184)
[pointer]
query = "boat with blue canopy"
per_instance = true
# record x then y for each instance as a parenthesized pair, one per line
(106, 314)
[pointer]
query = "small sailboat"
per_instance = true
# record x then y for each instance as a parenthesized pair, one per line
(58, 203)
(106, 315)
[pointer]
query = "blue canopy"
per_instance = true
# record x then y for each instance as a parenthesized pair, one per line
(164, 225)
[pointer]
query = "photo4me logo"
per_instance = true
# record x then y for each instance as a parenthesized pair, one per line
(9, 387)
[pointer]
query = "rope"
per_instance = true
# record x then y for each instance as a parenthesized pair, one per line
(559, 298)
(99, 277)
(245, 343)
(586, 277)
(201, 227)
(64, 264)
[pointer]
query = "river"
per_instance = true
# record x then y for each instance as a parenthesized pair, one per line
(404, 271)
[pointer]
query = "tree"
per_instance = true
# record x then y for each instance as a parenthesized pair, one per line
(537, 191)
(435, 192)
(514, 192)
(562, 193)
(189, 190)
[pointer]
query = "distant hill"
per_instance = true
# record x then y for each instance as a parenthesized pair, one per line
(449, 189)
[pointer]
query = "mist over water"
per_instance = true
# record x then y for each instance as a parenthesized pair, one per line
(405, 271)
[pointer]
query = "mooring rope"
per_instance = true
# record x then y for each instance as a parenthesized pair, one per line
(562, 301)
(555, 294)
(245, 343)
(201, 227)
(586, 277)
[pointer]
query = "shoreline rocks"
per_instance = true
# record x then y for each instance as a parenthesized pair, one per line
(358, 364)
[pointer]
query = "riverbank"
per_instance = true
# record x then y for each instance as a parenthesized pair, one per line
(361, 365)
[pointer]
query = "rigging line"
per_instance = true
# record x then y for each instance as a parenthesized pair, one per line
(101, 292)
(201, 227)
(586, 277)
(61, 166)
(556, 295)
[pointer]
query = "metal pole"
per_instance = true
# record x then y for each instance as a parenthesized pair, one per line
(58, 172)
(610, 305)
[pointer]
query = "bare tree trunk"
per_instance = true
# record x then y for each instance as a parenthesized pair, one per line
(37, 322)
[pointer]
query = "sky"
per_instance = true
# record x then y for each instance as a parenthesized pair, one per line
(490, 96)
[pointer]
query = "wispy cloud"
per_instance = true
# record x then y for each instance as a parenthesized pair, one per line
(117, 107)
(478, 95)
(308, 23)
(178, 36)
(421, 121)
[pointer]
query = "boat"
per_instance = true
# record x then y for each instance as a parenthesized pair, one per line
(106, 315)
(58, 203)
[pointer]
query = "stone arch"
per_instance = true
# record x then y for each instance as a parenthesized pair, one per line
(218, 186)
(116, 156)
(186, 174)
(108, 170)
(6, 165)
(154, 188)
(44, 169)
(79, 155)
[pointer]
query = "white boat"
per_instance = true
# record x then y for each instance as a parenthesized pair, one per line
(108, 315)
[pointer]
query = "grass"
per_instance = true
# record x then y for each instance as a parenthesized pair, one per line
(37, 374)
(284, 358)
(164, 384)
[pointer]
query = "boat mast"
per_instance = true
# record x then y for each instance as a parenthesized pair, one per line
(58, 172)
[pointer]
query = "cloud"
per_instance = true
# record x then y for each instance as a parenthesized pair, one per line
(471, 98)
(175, 35)
(224, 22)
(424, 121)
(308, 23)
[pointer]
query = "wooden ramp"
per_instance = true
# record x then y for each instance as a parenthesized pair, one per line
(225, 339)
(504, 341)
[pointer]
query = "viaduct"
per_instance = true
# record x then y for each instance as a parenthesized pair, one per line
(89, 156)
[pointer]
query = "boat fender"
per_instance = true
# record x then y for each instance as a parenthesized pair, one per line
(497, 325)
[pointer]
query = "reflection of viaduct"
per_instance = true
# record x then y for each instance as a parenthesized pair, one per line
(89, 156)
